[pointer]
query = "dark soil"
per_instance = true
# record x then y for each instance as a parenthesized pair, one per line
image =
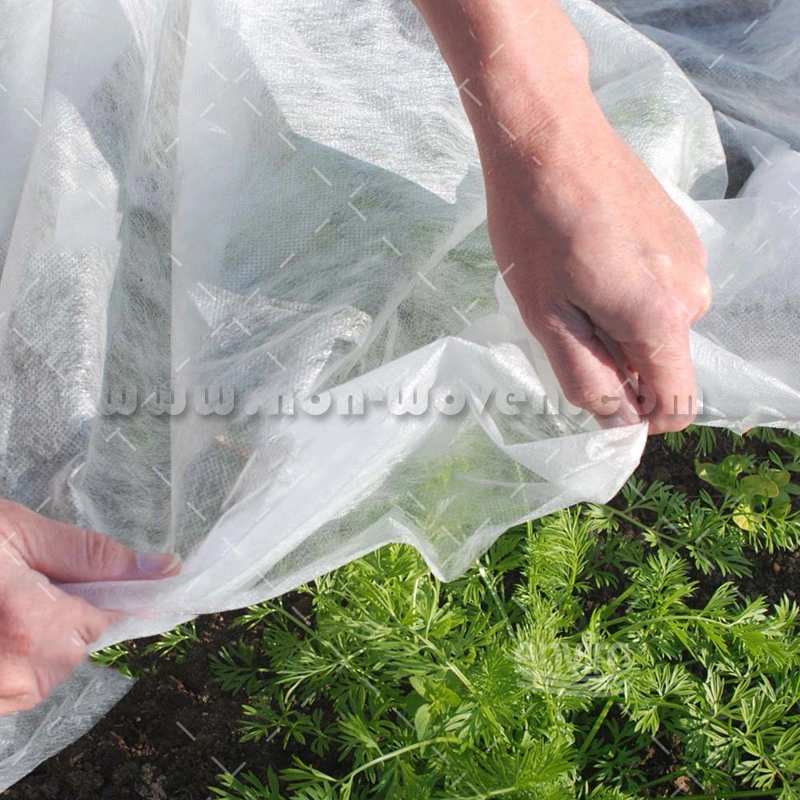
(165, 740)
(773, 574)
(175, 730)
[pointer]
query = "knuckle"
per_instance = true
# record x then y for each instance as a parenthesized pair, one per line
(89, 629)
(24, 690)
(99, 550)
(85, 620)
(702, 294)
(579, 395)
(657, 262)
(545, 323)
(77, 652)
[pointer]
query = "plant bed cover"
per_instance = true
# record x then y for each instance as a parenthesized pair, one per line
(645, 648)
(153, 237)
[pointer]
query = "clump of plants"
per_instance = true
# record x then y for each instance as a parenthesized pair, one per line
(604, 652)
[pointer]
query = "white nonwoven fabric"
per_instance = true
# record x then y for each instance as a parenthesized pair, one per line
(286, 198)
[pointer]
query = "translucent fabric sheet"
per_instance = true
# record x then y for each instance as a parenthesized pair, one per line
(284, 200)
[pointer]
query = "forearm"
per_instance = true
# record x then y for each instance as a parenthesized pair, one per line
(521, 66)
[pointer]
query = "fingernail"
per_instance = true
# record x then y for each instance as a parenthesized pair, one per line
(156, 563)
(616, 421)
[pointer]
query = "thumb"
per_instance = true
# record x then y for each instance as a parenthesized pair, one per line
(70, 554)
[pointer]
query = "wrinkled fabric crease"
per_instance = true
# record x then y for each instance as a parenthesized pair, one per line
(283, 200)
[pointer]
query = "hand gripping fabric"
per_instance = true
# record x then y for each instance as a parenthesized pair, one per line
(284, 200)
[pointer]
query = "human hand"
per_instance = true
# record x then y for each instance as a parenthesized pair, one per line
(43, 629)
(608, 272)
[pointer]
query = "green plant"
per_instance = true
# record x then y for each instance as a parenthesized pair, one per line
(759, 498)
(116, 655)
(577, 647)
(704, 439)
(175, 642)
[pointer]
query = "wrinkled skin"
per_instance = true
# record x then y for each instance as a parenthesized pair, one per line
(43, 629)
(608, 272)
